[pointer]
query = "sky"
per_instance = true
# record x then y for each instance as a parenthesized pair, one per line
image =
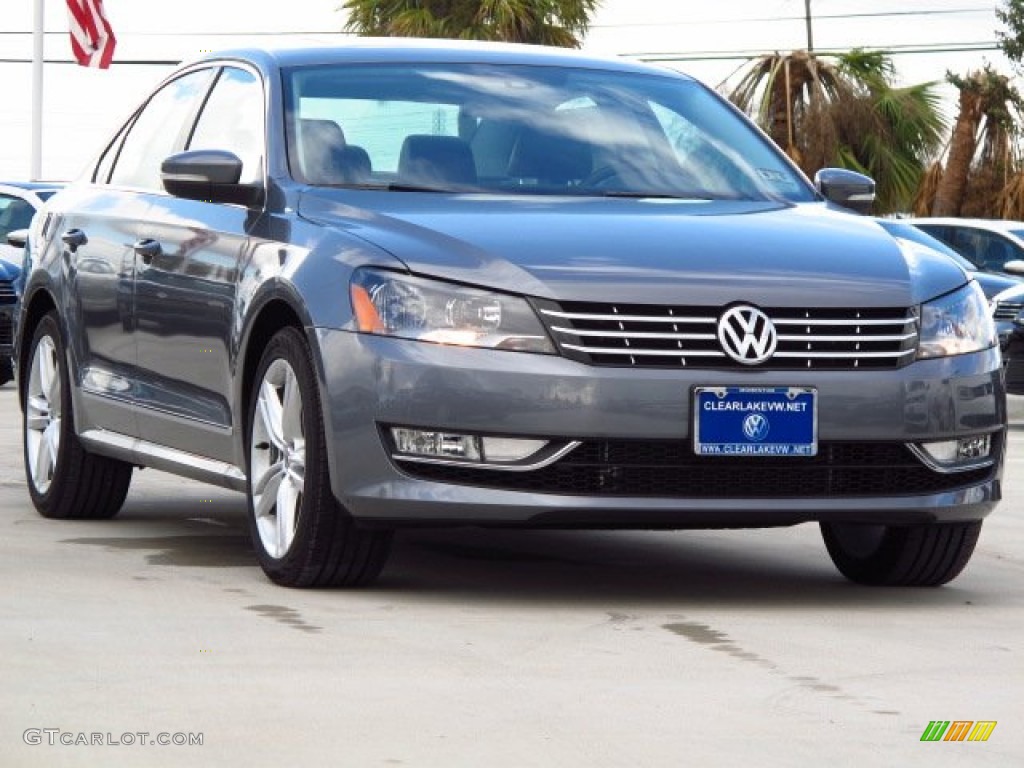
(709, 40)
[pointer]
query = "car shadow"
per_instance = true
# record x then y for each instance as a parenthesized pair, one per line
(643, 569)
(646, 569)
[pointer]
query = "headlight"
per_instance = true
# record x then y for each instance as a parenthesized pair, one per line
(390, 304)
(956, 324)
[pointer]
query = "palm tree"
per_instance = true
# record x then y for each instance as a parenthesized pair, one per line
(843, 110)
(542, 22)
(970, 184)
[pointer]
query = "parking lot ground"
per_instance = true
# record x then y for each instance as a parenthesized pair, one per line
(491, 648)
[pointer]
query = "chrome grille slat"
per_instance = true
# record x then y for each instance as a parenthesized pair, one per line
(903, 337)
(639, 334)
(630, 318)
(1007, 310)
(627, 351)
(669, 336)
(845, 355)
(819, 321)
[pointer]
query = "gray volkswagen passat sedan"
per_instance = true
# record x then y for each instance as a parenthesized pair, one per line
(404, 283)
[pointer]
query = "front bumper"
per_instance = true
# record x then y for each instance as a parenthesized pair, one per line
(369, 382)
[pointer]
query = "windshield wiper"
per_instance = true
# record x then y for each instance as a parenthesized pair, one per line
(641, 195)
(392, 187)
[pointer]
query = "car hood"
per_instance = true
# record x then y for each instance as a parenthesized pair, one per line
(641, 250)
(993, 283)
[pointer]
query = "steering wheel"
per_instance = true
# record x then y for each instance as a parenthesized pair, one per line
(600, 177)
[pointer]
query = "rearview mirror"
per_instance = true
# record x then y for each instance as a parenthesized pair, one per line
(210, 175)
(846, 188)
(1015, 267)
(18, 238)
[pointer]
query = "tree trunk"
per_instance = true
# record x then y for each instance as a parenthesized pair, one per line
(949, 196)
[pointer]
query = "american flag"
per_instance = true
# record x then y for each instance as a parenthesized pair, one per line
(92, 39)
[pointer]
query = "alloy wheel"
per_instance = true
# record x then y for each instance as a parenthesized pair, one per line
(43, 414)
(277, 458)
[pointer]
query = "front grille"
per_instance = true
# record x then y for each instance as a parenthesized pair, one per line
(7, 293)
(1007, 310)
(6, 331)
(670, 469)
(657, 336)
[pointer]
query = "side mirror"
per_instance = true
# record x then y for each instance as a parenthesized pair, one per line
(1015, 267)
(18, 238)
(846, 188)
(210, 175)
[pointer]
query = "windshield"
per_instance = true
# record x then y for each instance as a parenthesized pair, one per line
(529, 130)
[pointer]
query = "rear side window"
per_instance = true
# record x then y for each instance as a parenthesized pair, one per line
(159, 131)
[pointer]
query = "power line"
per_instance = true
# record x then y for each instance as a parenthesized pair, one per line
(188, 34)
(127, 62)
(817, 16)
(750, 54)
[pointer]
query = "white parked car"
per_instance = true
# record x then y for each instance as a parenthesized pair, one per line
(992, 245)
(18, 203)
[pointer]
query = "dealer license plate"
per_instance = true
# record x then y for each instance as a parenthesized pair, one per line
(755, 421)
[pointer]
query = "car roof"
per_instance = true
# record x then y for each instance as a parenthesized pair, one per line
(33, 186)
(314, 51)
(992, 225)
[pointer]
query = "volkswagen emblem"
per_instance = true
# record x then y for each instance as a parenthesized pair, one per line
(747, 335)
(755, 427)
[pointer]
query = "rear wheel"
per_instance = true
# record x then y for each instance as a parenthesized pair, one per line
(909, 556)
(64, 479)
(303, 537)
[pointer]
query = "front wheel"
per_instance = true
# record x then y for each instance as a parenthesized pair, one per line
(303, 537)
(64, 479)
(904, 556)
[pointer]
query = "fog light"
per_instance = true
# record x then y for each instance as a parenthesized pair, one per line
(441, 445)
(978, 447)
(951, 455)
(434, 444)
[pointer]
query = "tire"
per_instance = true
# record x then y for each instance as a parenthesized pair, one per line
(901, 556)
(6, 371)
(302, 535)
(65, 481)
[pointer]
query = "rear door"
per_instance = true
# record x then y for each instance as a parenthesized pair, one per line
(98, 235)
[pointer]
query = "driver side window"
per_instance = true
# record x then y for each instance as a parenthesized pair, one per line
(158, 131)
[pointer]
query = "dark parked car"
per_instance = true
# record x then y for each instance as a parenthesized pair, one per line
(1008, 312)
(1014, 351)
(991, 283)
(423, 283)
(18, 203)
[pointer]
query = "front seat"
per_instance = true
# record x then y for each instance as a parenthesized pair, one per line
(432, 161)
(326, 158)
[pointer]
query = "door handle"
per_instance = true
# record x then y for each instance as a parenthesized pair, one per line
(147, 248)
(73, 238)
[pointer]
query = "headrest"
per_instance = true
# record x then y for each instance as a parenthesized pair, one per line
(549, 157)
(433, 160)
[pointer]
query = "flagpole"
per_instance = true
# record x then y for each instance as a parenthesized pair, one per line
(37, 91)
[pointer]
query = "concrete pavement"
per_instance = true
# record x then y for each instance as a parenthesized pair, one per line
(491, 648)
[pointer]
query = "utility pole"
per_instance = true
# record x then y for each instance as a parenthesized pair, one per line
(36, 156)
(807, 17)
